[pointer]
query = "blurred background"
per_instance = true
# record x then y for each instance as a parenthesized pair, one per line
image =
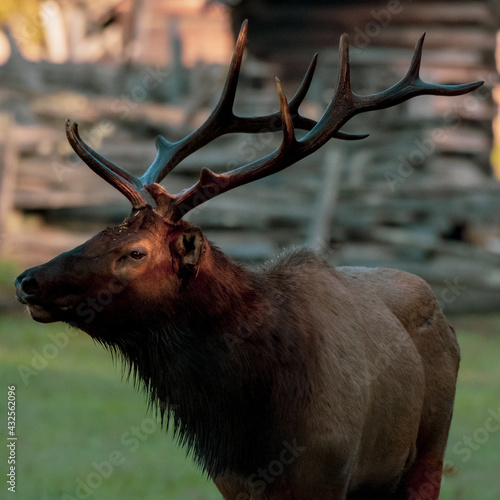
(421, 193)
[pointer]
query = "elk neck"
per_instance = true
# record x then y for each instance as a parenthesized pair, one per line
(198, 372)
(220, 293)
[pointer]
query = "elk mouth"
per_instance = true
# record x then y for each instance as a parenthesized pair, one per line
(49, 314)
(46, 313)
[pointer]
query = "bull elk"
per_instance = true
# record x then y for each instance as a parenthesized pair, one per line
(294, 381)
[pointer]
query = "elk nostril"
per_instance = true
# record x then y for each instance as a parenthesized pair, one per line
(29, 286)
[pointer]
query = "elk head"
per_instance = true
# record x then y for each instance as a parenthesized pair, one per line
(117, 270)
(146, 263)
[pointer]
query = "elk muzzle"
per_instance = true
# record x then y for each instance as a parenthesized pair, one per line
(29, 291)
(26, 287)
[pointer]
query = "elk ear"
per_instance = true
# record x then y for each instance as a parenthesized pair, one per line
(189, 246)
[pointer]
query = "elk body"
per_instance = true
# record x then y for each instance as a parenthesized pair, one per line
(294, 381)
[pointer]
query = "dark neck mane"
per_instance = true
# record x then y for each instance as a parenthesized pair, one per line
(198, 375)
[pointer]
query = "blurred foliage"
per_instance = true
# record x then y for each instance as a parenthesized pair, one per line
(9, 8)
(495, 160)
(24, 19)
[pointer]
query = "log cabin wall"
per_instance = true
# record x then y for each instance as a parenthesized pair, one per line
(459, 46)
(418, 194)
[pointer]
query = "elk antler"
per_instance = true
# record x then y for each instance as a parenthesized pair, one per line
(221, 121)
(125, 182)
(344, 105)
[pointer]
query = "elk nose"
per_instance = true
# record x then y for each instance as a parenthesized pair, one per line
(26, 286)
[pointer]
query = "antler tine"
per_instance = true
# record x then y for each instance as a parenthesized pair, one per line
(272, 121)
(341, 107)
(261, 123)
(413, 76)
(72, 129)
(119, 178)
(344, 74)
(289, 141)
(220, 121)
(411, 85)
(298, 98)
(343, 89)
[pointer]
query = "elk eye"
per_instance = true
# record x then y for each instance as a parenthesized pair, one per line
(137, 255)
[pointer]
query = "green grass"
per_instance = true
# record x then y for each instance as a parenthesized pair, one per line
(8, 270)
(474, 442)
(74, 413)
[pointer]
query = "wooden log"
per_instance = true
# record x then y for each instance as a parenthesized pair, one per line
(8, 170)
(322, 214)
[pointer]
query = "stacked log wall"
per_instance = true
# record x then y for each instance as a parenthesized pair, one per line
(419, 194)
